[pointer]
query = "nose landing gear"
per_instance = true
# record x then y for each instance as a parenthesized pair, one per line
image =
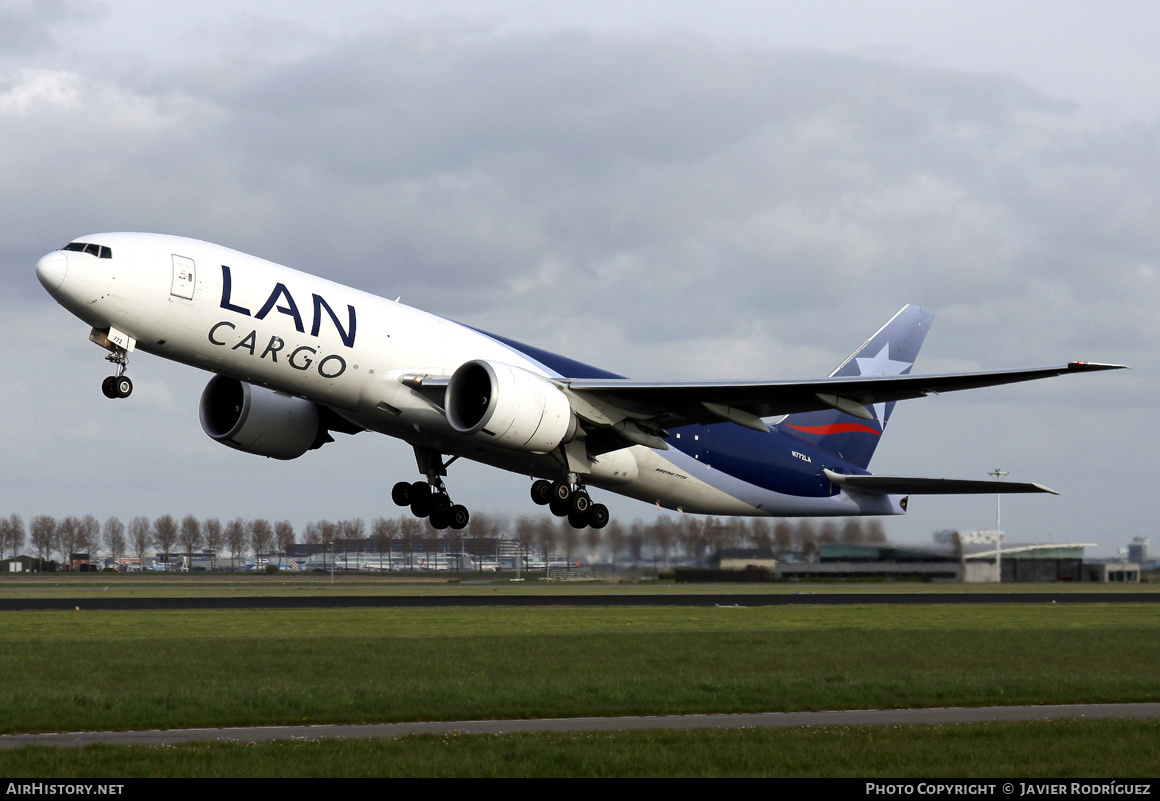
(119, 345)
(119, 385)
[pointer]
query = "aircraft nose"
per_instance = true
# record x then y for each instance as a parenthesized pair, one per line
(51, 269)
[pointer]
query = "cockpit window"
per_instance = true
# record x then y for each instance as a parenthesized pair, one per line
(100, 251)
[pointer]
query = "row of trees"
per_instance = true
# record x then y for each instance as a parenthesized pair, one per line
(70, 535)
(662, 539)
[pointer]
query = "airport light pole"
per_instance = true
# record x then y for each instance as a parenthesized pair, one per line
(998, 474)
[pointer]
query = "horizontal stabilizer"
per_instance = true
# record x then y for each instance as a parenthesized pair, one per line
(902, 485)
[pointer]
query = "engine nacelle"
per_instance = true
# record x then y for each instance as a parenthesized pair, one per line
(508, 406)
(259, 421)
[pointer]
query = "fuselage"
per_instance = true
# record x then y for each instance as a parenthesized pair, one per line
(295, 333)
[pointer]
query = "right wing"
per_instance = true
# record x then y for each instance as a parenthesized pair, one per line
(681, 403)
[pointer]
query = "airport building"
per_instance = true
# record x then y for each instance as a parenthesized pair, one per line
(876, 561)
(968, 558)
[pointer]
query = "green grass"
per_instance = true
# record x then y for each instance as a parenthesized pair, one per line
(133, 670)
(1070, 749)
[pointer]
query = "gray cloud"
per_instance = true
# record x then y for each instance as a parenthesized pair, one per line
(32, 27)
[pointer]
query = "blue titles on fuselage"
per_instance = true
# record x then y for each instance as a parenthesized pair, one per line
(290, 308)
(300, 358)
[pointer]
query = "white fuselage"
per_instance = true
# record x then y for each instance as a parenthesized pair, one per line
(262, 323)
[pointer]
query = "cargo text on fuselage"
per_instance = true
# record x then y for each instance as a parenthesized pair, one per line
(297, 357)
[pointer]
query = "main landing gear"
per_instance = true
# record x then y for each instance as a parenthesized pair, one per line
(429, 498)
(119, 385)
(569, 500)
(432, 502)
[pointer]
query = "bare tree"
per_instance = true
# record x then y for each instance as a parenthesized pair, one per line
(384, 531)
(806, 537)
(545, 537)
(165, 535)
(482, 528)
(190, 536)
(410, 529)
(90, 540)
(593, 537)
(69, 536)
(525, 536)
(312, 534)
(284, 535)
(636, 539)
(431, 544)
(616, 538)
(11, 534)
(783, 536)
(760, 533)
(567, 538)
(43, 535)
(852, 532)
(214, 537)
(690, 532)
(114, 536)
(261, 538)
(717, 534)
(354, 529)
(323, 532)
(828, 533)
(664, 535)
(236, 533)
(140, 538)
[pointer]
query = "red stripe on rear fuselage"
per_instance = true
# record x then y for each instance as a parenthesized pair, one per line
(837, 428)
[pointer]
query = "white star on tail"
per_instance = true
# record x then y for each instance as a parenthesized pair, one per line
(881, 364)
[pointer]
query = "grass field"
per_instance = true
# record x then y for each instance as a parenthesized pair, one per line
(132, 670)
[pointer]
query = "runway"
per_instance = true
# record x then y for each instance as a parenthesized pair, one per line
(856, 717)
(91, 602)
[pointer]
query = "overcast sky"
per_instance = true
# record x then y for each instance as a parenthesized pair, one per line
(668, 190)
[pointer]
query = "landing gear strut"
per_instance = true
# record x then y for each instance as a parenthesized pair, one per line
(119, 385)
(429, 498)
(570, 500)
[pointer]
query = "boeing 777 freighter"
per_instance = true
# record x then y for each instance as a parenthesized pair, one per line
(296, 357)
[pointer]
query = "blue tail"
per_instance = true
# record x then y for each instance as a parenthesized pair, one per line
(891, 351)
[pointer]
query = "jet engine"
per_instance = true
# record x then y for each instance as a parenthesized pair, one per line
(508, 406)
(257, 420)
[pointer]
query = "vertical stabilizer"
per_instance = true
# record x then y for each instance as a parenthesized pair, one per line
(891, 351)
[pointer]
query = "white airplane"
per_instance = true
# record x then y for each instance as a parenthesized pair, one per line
(297, 357)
